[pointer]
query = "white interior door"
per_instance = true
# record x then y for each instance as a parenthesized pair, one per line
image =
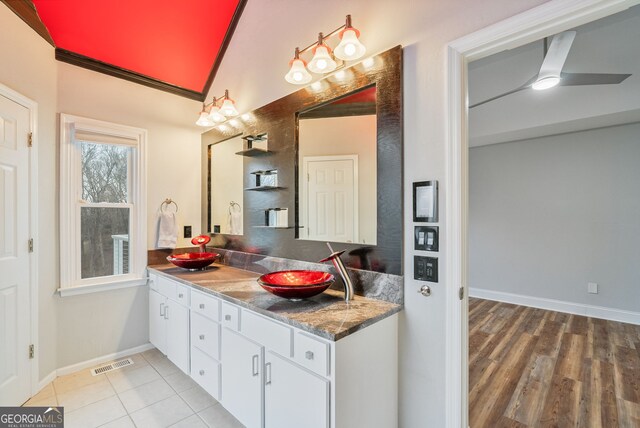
(15, 336)
(332, 198)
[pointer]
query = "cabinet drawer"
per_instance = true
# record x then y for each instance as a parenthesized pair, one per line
(230, 316)
(166, 287)
(153, 282)
(272, 335)
(311, 353)
(206, 372)
(206, 305)
(205, 335)
(182, 294)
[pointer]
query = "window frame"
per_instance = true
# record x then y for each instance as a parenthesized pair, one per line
(71, 204)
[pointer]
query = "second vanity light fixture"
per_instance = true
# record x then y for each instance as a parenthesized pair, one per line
(350, 48)
(213, 114)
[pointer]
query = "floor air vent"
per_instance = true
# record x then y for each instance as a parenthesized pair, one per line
(112, 366)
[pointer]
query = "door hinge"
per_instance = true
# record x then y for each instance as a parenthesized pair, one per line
(32, 351)
(461, 293)
(31, 245)
(30, 139)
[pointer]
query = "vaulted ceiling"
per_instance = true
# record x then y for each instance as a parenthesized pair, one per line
(176, 46)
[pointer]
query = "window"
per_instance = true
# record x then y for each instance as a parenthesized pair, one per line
(102, 230)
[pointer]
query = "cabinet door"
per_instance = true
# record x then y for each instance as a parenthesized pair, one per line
(177, 317)
(242, 389)
(294, 397)
(157, 324)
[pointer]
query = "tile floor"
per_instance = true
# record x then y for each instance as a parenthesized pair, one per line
(151, 393)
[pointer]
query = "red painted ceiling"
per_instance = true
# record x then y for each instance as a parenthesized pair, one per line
(174, 41)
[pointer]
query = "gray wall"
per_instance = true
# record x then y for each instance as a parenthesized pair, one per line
(549, 215)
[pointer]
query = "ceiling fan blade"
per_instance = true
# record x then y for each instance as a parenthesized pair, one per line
(579, 79)
(557, 54)
(521, 88)
(526, 85)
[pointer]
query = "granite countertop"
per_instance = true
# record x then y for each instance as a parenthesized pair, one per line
(326, 315)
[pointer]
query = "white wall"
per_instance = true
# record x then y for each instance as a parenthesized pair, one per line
(549, 215)
(424, 28)
(29, 67)
(350, 135)
(94, 325)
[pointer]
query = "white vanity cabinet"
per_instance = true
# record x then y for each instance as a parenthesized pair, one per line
(169, 320)
(206, 369)
(270, 374)
(242, 378)
(293, 396)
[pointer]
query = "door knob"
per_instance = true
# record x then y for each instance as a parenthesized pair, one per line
(425, 290)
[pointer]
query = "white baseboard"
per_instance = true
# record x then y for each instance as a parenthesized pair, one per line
(46, 381)
(99, 360)
(559, 306)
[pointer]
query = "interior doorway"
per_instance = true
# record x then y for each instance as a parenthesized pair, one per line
(543, 21)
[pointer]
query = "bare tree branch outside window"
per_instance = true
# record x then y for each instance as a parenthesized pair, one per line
(104, 180)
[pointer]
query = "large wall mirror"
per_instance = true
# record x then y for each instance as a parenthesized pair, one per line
(335, 149)
(225, 169)
(337, 184)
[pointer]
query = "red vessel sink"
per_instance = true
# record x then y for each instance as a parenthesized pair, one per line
(192, 261)
(296, 284)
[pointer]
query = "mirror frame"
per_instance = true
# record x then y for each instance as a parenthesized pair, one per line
(279, 119)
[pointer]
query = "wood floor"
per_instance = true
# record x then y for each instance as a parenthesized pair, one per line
(535, 368)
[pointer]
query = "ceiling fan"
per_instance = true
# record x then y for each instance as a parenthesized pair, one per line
(551, 74)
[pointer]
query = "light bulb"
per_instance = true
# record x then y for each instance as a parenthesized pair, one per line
(298, 74)
(322, 61)
(349, 47)
(545, 83)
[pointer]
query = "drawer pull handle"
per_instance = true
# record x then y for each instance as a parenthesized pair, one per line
(267, 368)
(201, 306)
(161, 311)
(180, 296)
(308, 355)
(202, 337)
(227, 317)
(254, 365)
(201, 372)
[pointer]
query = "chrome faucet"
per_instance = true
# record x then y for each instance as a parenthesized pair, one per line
(342, 270)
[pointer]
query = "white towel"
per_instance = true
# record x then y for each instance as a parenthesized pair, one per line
(167, 230)
(235, 222)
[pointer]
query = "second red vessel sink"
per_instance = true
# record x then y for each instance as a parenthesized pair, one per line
(192, 261)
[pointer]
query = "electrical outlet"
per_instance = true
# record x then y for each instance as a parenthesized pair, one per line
(187, 231)
(592, 288)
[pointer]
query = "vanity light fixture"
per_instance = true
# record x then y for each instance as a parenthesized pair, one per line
(298, 74)
(212, 114)
(349, 47)
(323, 61)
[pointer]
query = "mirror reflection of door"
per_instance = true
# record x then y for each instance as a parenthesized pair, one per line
(227, 193)
(332, 198)
(337, 154)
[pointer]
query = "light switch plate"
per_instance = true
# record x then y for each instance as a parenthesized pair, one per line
(426, 238)
(592, 288)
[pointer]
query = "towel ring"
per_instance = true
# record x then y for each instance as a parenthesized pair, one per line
(166, 203)
(232, 205)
